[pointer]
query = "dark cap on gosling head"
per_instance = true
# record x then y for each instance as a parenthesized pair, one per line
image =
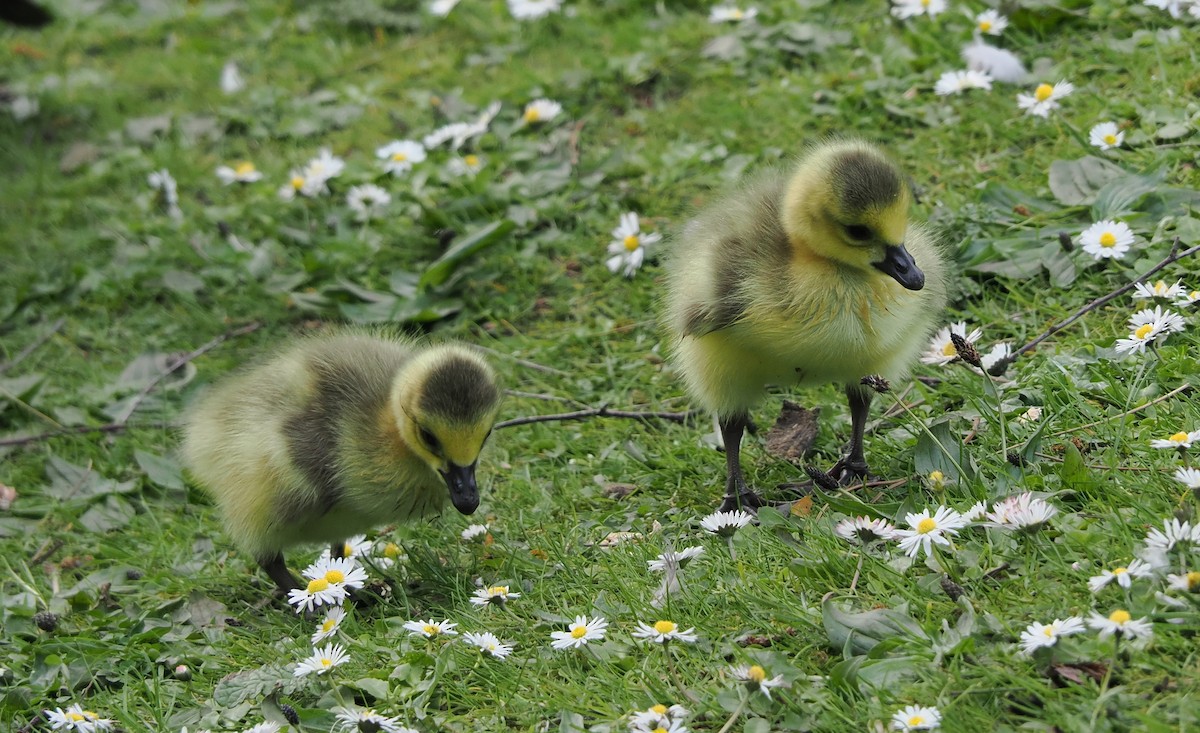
(864, 180)
(460, 390)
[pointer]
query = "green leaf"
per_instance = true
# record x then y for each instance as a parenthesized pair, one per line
(255, 683)
(1076, 182)
(68, 481)
(757, 725)
(162, 471)
(938, 450)
(476, 242)
(860, 632)
(377, 689)
(570, 722)
(114, 513)
(1073, 472)
(1118, 198)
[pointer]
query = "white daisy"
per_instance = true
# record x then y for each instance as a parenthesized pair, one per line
(442, 8)
(726, 524)
(579, 633)
(318, 592)
(1045, 98)
(864, 530)
(163, 182)
(928, 529)
(1173, 534)
(1189, 477)
(467, 165)
(903, 9)
(243, 172)
(1159, 289)
(367, 201)
(264, 728)
(1174, 7)
(298, 184)
(1123, 575)
(458, 133)
(1167, 321)
(496, 595)
(430, 629)
(322, 660)
(532, 9)
(731, 14)
(399, 156)
(353, 721)
(475, 532)
(1021, 511)
(343, 571)
(662, 631)
(1186, 582)
(658, 716)
(330, 625)
(956, 82)
(1106, 238)
(322, 168)
(1178, 440)
(389, 555)
(1190, 297)
(75, 718)
(941, 350)
(916, 717)
(995, 355)
(991, 22)
(1037, 636)
(231, 78)
(1032, 415)
(489, 643)
(756, 678)
(23, 107)
(628, 248)
(1001, 65)
(541, 110)
(976, 512)
(1106, 136)
(1122, 623)
(677, 559)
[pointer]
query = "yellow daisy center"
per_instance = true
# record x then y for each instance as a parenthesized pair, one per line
(244, 168)
(579, 632)
(1120, 616)
(985, 25)
(659, 709)
(335, 576)
(1043, 92)
(297, 182)
(399, 157)
(737, 14)
(498, 590)
(756, 673)
(1194, 295)
(664, 627)
(1110, 139)
(1048, 631)
(75, 716)
(347, 550)
(925, 3)
(631, 242)
(471, 160)
(391, 550)
(937, 477)
(431, 630)
(1193, 580)
(1143, 331)
(532, 115)
(1120, 571)
(926, 525)
(1159, 288)
(1178, 438)
(317, 585)
(326, 662)
(329, 625)
(916, 720)
(660, 729)
(949, 350)
(1108, 239)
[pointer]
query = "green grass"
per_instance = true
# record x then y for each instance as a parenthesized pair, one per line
(106, 533)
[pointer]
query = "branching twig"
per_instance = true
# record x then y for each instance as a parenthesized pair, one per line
(111, 427)
(1174, 256)
(601, 411)
(1161, 398)
(37, 344)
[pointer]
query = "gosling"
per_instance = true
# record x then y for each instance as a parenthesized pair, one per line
(338, 434)
(806, 276)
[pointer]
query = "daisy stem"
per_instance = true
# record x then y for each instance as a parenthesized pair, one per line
(675, 674)
(932, 437)
(999, 417)
(1104, 682)
(734, 716)
(732, 552)
(941, 561)
(1075, 133)
(1133, 390)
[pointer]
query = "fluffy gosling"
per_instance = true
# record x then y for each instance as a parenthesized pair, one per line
(337, 434)
(800, 277)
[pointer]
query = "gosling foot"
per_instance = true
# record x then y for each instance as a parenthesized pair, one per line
(848, 472)
(747, 500)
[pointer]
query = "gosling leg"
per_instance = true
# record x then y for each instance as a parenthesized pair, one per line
(853, 466)
(277, 570)
(737, 494)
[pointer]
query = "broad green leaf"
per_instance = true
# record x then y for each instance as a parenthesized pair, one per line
(860, 632)
(255, 683)
(66, 481)
(1118, 198)
(113, 513)
(377, 689)
(161, 470)
(476, 242)
(938, 450)
(570, 722)
(1076, 182)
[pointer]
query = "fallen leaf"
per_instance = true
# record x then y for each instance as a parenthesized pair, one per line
(615, 538)
(618, 491)
(791, 437)
(77, 156)
(1077, 672)
(802, 507)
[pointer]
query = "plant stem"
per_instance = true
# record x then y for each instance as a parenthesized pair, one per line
(925, 428)
(736, 712)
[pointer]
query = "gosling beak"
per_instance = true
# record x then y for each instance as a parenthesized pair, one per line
(900, 265)
(464, 493)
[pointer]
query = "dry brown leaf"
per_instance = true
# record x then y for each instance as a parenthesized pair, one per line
(792, 436)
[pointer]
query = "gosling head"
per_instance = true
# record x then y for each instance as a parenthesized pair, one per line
(848, 202)
(445, 402)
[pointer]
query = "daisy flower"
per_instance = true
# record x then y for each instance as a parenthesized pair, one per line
(532, 9)
(496, 595)
(662, 631)
(318, 592)
(658, 716)
(941, 350)
(726, 524)
(1106, 136)
(977, 510)
(442, 8)
(367, 200)
(1106, 238)
(390, 555)
(1021, 512)
(231, 78)
(1189, 477)
(999, 352)
(298, 184)
(399, 156)
(1045, 98)
(23, 107)
(330, 626)
(1037, 636)
(1001, 65)
(1172, 534)
(475, 532)
(677, 559)
(1179, 440)
(1159, 289)
(904, 9)
(991, 22)
(916, 717)
(1190, 297)
(323, 660)
(756, 678)
(75, 718)
(322, 168)
(429, 629)
(1187, 582)
(731, 14)
(467, 165)
(579, 633)
(1121, 623)
(489, 643)
(456, 133)
(1164, 320)
(352, 721)
(264, 728)
(163, 182)
(1123, 575)
(628, 248)
(343, 571)
(541, 110)
(243, 172)
(956, 82)
(928, 529)
(864, 530)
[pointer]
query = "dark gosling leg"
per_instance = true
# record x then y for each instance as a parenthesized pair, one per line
(737, 494)
(853, 466)
(277, 570)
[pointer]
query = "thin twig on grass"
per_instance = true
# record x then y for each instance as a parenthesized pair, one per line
(111, 427)
(1183, 388)
(602, 411)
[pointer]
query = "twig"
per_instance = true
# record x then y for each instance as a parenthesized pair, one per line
(573, 143)
(525, 362)
(111, 427)
(602, 411)
(37, 344)
(171, 367)
(540, 396)
(1127, 413)
(1174, 256)
(48, 548)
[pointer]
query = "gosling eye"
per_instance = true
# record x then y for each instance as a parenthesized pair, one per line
(859, 232)
(431, 440)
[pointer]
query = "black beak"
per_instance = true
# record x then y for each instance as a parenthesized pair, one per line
(464, 493)
(898, 263)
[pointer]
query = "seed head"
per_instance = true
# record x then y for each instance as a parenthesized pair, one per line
(966, 350)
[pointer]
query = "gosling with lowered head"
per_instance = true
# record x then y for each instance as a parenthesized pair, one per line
(804, 276)
(337, 434)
